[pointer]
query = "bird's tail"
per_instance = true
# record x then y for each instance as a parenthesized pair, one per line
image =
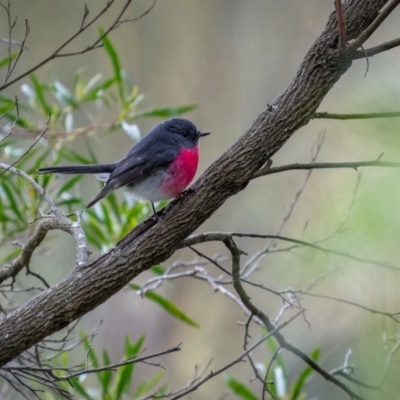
(79, 169)
(100, 171)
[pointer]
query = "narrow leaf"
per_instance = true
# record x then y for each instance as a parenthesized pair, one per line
(166, 112)
(239, 388)
(167, 305)
(304, 376)
(112, 53)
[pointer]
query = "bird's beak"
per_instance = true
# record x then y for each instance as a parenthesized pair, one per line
(202, 133)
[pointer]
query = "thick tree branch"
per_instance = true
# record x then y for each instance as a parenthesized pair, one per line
(151, 243)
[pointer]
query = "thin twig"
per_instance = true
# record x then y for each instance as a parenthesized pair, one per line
(222, 236)
(341, 24)
(326, 115)
(339, 165)
(354, 304)
(377, 49)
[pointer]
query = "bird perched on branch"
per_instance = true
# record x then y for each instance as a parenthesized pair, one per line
(159, 167)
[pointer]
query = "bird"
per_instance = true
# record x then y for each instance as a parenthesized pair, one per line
(158, 167)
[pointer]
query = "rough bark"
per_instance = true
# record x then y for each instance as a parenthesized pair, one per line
(148, 244)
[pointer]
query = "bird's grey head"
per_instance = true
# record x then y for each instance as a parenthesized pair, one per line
(183, 131)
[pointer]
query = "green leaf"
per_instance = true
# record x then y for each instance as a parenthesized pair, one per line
(97, 92)
(80, 389)
(273, 345)
(96, 230)
(107, 219)
(112, 200)
(73, 156)
(40, 94)
(239, 388)
(147, 385)
(15, 253)
(69, 184)
(125, 373)
(8, 190)
(105, 376)
(304, 376)
(157, 269)
(167, 305)
(112, 53)
(4, 61)
(65, 95)
(165, 112)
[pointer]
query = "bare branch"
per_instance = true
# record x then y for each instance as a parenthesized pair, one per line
(236, 253)
(341, 165)
(326, 115)
(222, 236)
(212, 374)
(377, 49)
(354, 304)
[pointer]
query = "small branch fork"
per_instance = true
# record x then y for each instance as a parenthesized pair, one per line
(351, 47)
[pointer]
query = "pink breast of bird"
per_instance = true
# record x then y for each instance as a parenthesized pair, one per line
(181, 172)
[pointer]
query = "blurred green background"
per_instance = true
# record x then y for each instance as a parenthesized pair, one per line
(232, 58)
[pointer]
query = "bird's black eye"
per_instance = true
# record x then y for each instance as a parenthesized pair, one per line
(185, 133)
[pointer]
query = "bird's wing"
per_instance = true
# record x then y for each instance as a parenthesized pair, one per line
(130, 169)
